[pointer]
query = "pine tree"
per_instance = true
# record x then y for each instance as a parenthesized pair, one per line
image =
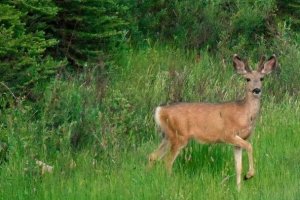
(87, 28)
(22, 50)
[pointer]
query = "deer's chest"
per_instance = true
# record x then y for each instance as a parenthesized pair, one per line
(246, 125)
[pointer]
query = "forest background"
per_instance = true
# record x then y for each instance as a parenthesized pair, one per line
(79, 81)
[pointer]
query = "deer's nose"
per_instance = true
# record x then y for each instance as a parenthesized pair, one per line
(256, 91)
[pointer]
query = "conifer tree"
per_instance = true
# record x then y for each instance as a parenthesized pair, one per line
(88, 28)
(22, 50)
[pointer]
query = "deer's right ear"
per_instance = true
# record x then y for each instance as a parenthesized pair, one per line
(240, 66)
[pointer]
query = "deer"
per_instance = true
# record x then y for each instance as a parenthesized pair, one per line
(228, 122)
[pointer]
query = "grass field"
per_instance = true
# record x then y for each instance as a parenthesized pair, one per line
(144, 80)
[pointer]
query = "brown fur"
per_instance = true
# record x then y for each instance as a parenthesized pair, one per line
(230, 122)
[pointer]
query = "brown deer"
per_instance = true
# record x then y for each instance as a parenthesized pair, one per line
(230, 122)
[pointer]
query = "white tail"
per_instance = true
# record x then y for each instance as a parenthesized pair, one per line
(156, 115)
(230, 122)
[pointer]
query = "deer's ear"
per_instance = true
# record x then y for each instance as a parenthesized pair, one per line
(240, 66)
(269, 66)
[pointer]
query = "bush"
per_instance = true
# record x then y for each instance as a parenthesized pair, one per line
(218, 25)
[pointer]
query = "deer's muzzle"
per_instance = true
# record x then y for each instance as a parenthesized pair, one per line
(256, 91)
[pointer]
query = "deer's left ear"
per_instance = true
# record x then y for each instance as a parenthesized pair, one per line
(269, 66)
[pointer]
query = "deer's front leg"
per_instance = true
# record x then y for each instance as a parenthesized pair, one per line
(250, 173)
(240, 144)
(238, 165)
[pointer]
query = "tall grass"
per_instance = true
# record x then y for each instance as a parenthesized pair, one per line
(97, 134)
(209, 173)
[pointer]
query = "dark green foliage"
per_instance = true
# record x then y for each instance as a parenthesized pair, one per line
(3, 152)
(225, 24)
(247, 25)
(33, 32)
(186, 22)
(85, 29)
(22, 53)
(290, 11)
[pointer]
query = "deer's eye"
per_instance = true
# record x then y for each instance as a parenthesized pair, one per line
(261, 79)
(247, 79)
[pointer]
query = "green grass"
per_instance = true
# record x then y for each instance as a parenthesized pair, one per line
(208, 174)
(118, 134)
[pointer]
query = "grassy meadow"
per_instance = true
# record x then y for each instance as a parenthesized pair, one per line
(114, 117)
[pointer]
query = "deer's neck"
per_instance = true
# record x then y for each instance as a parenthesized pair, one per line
(251, 105)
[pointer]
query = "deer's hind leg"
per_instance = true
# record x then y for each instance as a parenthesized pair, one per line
(177, 143)
(160, 152)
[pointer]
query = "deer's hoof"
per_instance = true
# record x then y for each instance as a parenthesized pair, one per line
(248, 176)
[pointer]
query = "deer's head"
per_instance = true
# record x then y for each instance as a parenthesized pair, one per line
(254, 78)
